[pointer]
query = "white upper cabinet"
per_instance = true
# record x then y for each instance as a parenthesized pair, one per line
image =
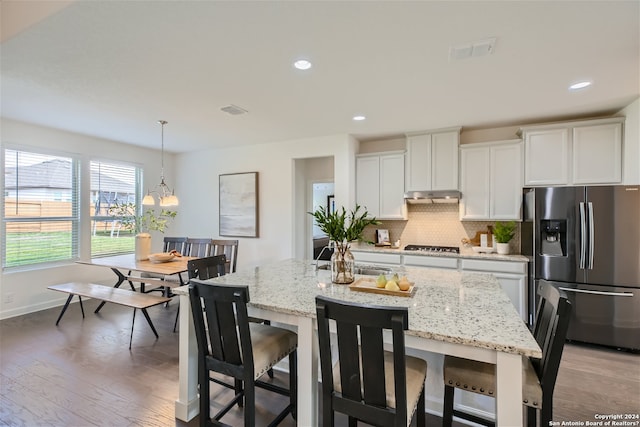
(597, 154)
(547, 157)
(506, 181)
(432, 160)
(380, 184)
(491, 181)
(475, 182)
(367, 183)
(586, 152)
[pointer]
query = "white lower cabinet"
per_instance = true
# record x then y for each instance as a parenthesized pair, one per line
(512, 276)
(430, 261)
(376, 258)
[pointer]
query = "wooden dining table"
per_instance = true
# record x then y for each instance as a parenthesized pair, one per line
(127, 268)
(453, 313)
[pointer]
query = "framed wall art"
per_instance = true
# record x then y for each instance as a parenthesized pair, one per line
(331, 203)
(239, 204)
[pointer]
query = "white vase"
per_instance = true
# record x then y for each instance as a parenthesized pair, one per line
(503, 248)
(143, 246)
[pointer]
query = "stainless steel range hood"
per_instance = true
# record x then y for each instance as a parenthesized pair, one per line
(441, 196)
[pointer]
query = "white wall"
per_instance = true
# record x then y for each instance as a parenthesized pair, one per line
(27, 290)
(280, 220)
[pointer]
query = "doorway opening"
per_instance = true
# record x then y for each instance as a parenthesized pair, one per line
(313, 187)
(322, 196)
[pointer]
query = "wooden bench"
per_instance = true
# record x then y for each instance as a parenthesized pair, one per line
(136, 300)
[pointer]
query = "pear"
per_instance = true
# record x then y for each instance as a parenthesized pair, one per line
(395, 278)
(404, 284)
(381, 281)
(392, 285)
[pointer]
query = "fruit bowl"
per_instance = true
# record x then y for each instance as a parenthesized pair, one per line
(161, 257)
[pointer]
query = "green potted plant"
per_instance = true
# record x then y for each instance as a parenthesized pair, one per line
(504, 232)
(142, 224)
(342, 229)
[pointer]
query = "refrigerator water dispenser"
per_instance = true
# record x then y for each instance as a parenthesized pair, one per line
(553, 237)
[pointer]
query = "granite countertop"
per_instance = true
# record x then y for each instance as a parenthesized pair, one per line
(465, 308)
(465, 252)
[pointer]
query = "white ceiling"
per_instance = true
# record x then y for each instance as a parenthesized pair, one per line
(113, 68)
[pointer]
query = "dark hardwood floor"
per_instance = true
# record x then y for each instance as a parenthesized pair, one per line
(82, 373)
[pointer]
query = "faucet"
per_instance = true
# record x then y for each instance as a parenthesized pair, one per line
(320, 255)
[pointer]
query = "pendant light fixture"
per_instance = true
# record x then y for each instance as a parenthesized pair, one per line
(166, 195)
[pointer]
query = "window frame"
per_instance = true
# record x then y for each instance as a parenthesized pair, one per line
(76, 212)
(81, 219)
(138, 188)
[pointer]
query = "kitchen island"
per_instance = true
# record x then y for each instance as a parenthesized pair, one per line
(462, 314)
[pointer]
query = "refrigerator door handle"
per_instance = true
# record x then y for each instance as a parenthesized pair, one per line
(583, 291)
(591, 235)
(583, 233)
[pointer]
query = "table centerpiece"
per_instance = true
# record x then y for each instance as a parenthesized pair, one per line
(142, 224)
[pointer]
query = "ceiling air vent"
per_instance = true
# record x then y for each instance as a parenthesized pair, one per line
(234, 110)
(472, 50)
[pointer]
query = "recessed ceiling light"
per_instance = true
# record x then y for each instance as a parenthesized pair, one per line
(359, 118)
(580, 85)
(302, 64)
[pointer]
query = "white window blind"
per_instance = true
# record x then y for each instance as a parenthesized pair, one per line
(40, 218)
(112, 185)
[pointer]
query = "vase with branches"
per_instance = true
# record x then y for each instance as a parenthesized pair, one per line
(141, 224)
(144, 222)
(342, 228)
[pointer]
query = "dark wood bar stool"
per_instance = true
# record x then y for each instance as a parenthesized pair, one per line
(367, 383)
(230, 345)
(538, 376)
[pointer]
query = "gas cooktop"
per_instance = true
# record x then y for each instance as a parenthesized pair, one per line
(422, 248)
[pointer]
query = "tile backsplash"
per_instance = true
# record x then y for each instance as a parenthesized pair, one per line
(435, 224)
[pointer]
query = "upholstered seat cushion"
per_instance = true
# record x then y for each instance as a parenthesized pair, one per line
(480, 377)
(270, 345)
(416, 376)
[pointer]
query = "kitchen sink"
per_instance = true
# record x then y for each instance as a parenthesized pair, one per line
(367, 270)
(372, 271)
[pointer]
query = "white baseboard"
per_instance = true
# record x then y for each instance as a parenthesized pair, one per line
(19, 311)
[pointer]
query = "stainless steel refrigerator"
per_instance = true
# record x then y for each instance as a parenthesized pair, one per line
(586, 241)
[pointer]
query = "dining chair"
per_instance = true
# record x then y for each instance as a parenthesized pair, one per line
(228, 248)
(203, 269)
(232, 346)
(378, 387)
(178, 244)
(538, 375)
(199, 247)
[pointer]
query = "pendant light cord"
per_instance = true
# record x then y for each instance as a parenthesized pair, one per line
(162, 123)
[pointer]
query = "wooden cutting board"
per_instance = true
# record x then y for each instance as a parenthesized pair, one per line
(367, 284)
